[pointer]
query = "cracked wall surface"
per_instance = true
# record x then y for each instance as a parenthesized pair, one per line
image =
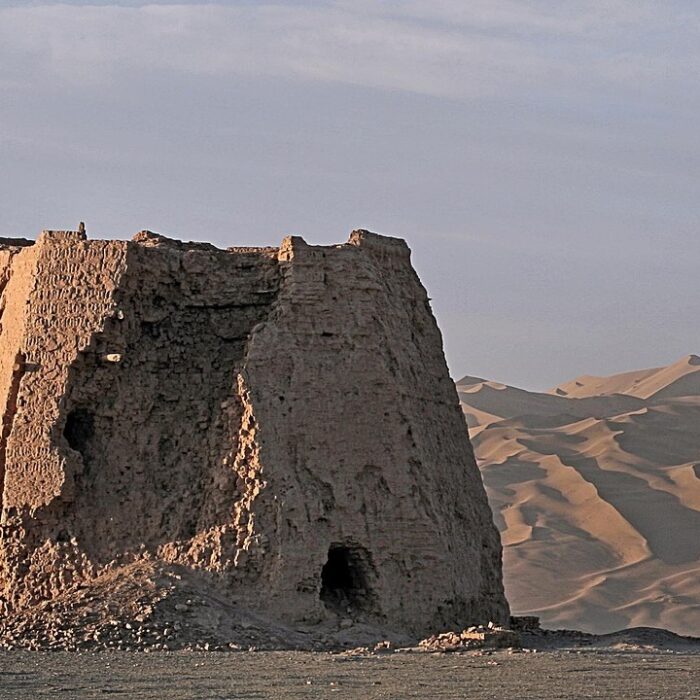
(261, 415)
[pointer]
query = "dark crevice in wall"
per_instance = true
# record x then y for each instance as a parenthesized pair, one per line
(79, 430)
(346, 581)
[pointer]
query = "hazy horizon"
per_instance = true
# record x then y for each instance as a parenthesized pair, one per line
(542, 162)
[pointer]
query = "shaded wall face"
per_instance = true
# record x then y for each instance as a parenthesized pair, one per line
(128, 413)
(161, 424)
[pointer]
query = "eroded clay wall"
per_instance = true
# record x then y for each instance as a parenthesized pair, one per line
(280, 420)
(156, 430)
(17, 266)
(363, 444)
(62, 288)
(127, 407)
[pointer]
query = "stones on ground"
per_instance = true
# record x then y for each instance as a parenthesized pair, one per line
(489, 637)
(114, 357)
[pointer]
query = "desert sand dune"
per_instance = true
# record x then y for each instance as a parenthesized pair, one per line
(588, 385)
(595, 487)
(508, 402)
(682, 378)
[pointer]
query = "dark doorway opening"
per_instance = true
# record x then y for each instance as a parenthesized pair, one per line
(79, 429)
(344, 587)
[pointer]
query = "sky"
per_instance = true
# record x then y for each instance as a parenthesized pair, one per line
(542, 159)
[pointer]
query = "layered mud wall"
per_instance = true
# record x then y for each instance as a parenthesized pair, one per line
(280, 420)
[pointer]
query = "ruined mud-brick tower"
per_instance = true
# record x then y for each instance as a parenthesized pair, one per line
(280, 420)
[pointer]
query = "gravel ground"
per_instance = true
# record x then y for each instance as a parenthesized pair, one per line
(282, 675)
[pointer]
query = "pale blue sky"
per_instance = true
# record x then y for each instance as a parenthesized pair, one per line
(542, 159)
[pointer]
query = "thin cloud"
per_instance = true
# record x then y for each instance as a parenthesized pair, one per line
(534, 153)
(436, 48)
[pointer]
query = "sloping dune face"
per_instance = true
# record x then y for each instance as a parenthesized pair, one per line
(595, 488)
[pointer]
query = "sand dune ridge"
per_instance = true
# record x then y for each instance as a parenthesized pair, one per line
(595, 487)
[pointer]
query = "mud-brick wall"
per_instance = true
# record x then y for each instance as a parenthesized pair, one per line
(122, 404)
(364, 447)
(281, 421)
(57, 296)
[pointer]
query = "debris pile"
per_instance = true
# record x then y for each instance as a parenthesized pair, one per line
(489, 637)
(145, 607)
(151, 607)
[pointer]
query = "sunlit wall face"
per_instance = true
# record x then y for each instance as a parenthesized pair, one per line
(542, 159)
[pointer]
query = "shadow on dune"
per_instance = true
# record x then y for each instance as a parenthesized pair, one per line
(670, 529)
(661, 436)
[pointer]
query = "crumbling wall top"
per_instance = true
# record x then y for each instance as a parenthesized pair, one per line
(367, 239)
(62, 236)
(15, 243)
(151, 239)
(290, 244)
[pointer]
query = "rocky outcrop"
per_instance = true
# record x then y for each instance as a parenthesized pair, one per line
(279, 421)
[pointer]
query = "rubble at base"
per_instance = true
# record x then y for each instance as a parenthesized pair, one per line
(524, 623)
(147, 606)
(489, 637)
(152, 607)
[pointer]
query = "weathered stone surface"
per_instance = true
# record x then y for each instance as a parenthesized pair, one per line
(279, 421)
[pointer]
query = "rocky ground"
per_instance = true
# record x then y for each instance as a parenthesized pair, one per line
(151, 631)
(149, 607)
(398, 675)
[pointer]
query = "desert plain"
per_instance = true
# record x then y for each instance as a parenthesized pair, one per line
(398, 676)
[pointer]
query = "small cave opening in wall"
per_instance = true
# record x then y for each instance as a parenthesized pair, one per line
(344, 580)
(79, 429)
